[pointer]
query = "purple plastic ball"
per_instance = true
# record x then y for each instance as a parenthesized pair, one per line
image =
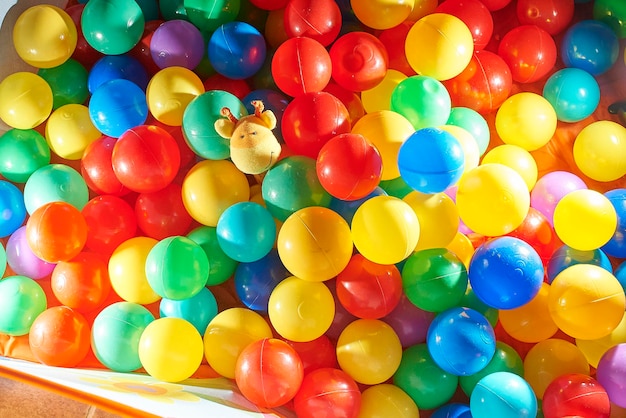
(177, 43)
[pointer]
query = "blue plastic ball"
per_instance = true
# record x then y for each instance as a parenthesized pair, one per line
(590, 45)
(620, 274)
(564, 257)
(246, 232)
(616, 246)
(237, 50)
(461, 341)
(347, 208)
(452, 410)
(117, 106)
(12, 209)
(113, 67)
(198, 310)
(573, 93)
(506, 272)
(503, 395)
(431, 160)
(255, 281)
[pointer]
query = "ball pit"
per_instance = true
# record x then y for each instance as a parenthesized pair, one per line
(474, 271)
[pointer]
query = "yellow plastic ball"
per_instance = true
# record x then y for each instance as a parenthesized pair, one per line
(492, 199)
(586, 301)
(585, 219)
(387, 130)
(595, 349)
(381, 14)
(462, 246)
(550, 359)
(25, 100)
(369, 350)
(44, 36)
(385, 229)
(377, 401)
(437, 216)
(212, 186)
(69, 131)
(169, 92)
(439, 45)
(517, 158)
(471, 152)
(127, 271)
(379, 97)
(228, 333)
(315, 244)
(599, 149)
(530, 323)
(526, 119)
(170, 349)
(301, 310)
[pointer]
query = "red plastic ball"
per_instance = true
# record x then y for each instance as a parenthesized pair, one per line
(269, 4)
(84, 52)
(146, 158)
(301, 65)
(369, 290)
(349, 166)
(351, 100)
(494, 5)
(575, 395)
(553, 16)
(394, 39)
(60, 336)
(82, 283)
(537, 231)
(328, 392)
(311, 120)
(316, 19)
(142, 52)
(359, 61)
(475, 15)
(483, 86)
(316, 354)
(110, 222)
(96, 168)
(529, 51)
(217, 81)
(56, 232)
(162, 213)
(269, 372)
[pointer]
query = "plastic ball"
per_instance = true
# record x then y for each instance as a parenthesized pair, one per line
(549, 359)
(616, 246)
(378, 400)
(423, 380)
(599, 214)
(526, 119)
(221, 267)
(517, 158)
(475, 15)
(468, 144)
(113, 67)
(379, 97)
(255, 281)
(23, 299)
(461, 341)
(590, 45)
(434, 279)
(387, 130)
(110, 222)
(117, 106)
(228, 334)
(452, 410)
(437, 216)
(69, 131)
(199, 310)
(537, 231)
(565, 256)
(315, 354)
(209, 16)
(53, 183)
(359, 61)
(158, 223)
(462, 246)
(301, 65)
(586, 301)
(170, 349)
(68, 82)
(327, 392)
(573, 93)
(25, 100)
(269, 372)
(609, 374)
(529, 51)
(21, 258)
(169, 93)
(112, 27)
(44, 36)
(237, 50)
(595, 150)
(83, 53)
(320, 20)
(550, 189)
(12, 208)
(422, 100)
(381, 14)
(389, 241)
(552, 16)
(96, 168)
(575, 395)
(492, 199)
(474, 123)
(431, 160)
(369, 290)
(22, 152)
(613, 13)
(504, 394)
(595, 349)
(451, 46)
(115, 335)
(127, 271)
(177, 43)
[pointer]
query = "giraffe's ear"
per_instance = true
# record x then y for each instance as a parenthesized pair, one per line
(269, 119)
(224, 128)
